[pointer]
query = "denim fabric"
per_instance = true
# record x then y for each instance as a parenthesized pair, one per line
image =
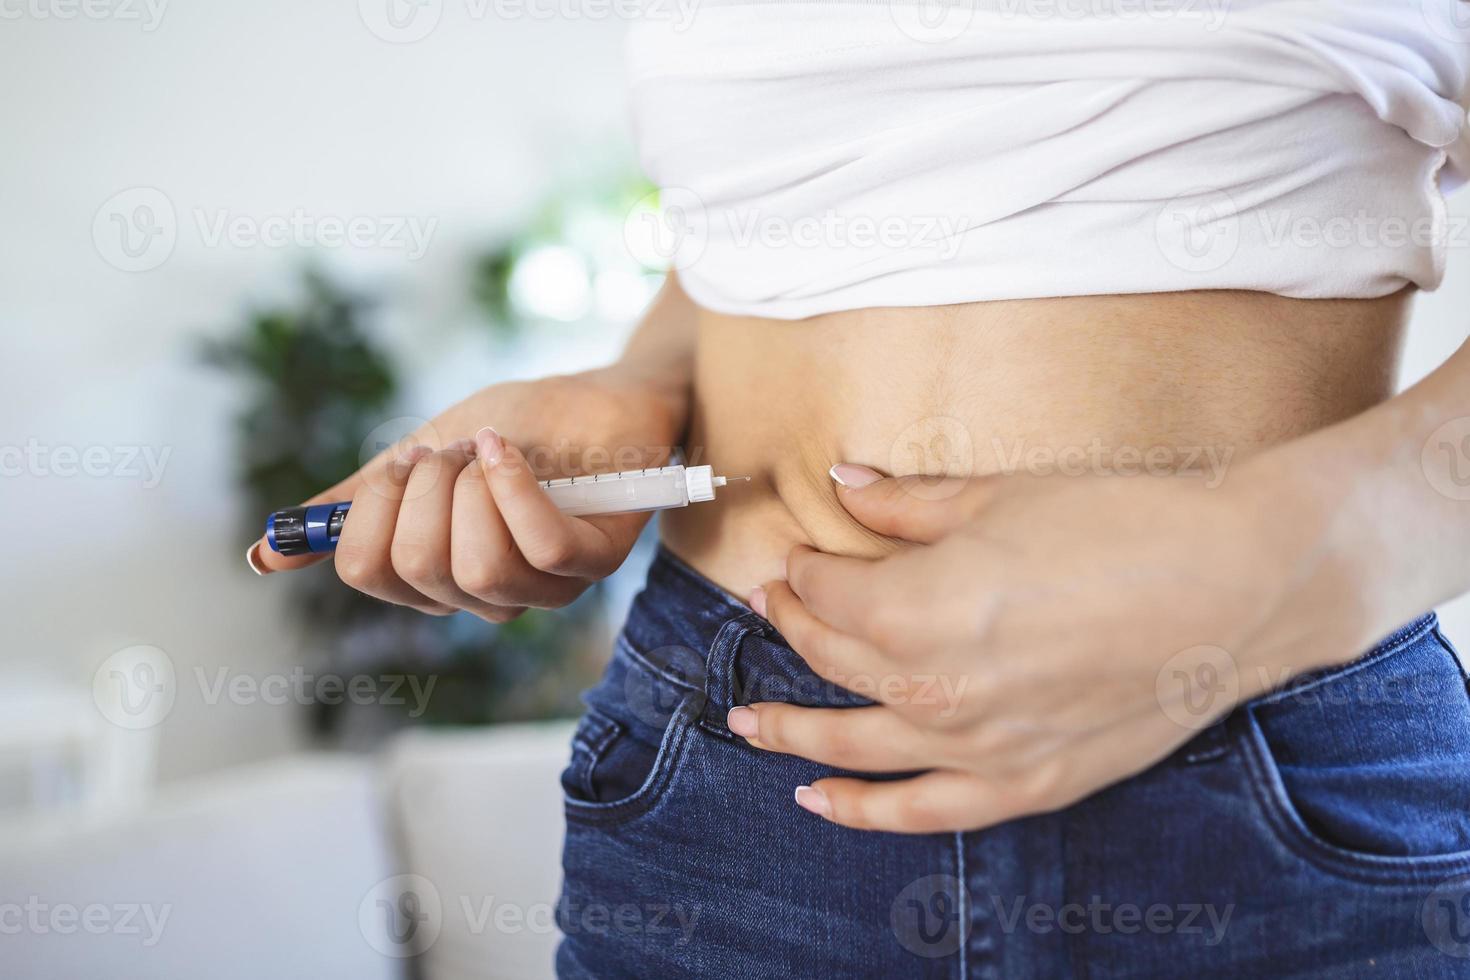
(1321, 831)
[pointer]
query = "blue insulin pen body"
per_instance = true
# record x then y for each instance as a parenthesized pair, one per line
(306, 530)
(315, 528)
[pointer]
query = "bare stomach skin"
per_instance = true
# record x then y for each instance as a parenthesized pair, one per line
(1107, 385)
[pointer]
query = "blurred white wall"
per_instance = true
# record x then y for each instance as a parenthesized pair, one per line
(243, 111)
(256, 110)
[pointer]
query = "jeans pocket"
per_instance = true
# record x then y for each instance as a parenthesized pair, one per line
(1365, 770)
(628, 746)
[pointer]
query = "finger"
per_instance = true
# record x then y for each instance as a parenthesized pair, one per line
(363, 558)
(420, 550)
(849, 594)
(936, 802)
(483, 556)
(388, 469)
(915, 508)
(548, 539)
(833, 656)
(948, 800)
(872, 739)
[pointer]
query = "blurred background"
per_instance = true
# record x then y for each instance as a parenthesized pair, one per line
(242, 245)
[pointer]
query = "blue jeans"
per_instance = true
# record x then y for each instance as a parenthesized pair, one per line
(1323, 830)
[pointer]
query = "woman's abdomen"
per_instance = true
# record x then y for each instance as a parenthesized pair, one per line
(1112, 385)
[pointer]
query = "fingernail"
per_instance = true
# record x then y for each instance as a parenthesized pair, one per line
(491, 447)
(853, 476)
(252, 558)
(742, 722)
(813, 800)
(758, 601)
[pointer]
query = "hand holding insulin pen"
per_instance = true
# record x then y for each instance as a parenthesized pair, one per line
(315, 528)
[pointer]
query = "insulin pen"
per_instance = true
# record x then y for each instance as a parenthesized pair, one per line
(314, 529)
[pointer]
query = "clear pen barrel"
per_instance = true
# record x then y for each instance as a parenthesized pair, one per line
(620, 493)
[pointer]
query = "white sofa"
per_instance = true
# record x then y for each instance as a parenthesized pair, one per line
(296, 868)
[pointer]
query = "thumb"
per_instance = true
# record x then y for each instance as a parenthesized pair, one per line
(922, 509)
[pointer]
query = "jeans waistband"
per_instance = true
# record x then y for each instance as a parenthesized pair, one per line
(703, 635)
(706, 638)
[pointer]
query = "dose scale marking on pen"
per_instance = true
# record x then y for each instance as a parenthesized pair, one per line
(314, 529)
